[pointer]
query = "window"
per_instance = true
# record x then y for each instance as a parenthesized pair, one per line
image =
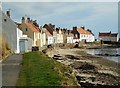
(5, 20)
(26, 29)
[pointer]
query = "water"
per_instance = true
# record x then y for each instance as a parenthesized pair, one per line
(110, 51)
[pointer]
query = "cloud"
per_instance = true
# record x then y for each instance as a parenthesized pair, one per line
(97, 16)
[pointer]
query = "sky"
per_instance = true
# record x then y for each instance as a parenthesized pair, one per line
(96, 16)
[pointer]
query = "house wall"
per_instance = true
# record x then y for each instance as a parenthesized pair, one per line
(114, 39)
(105, 38)
(35, 36)
(84, 37)
(64, 38)
(91, 38)
(59, 38)
(118, 37)
(9, 32)
(21, 37)
(54, 37)
(19, 34)
(69, 39)
(50, 40)
(29, 32)
(42, 39)
(87, 37)
(36, 39)
(29, 44)
(76, 40)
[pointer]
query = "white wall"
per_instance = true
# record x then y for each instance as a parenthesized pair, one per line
(19, 34)
(114, 39)
(44, 39)
(69, 39)
(50, 40)
(54, 37)
(105, 38)
(59, 38)
(91, 38)
(36, 39)
(29, 44)
(76, 40)
(87, 37)
(9, 32)
(28, 41)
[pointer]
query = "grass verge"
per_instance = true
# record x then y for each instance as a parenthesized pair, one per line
(39, 70)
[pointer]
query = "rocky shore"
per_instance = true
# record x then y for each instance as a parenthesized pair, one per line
(90, 71)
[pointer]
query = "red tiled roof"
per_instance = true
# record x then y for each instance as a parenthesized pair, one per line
(83, 31)
(49, 27)
(104, 34)
(18, 25)
(114, 35)
(32, 27)
(69, 35)
(69, 31)
(108, 34)
(75, 37)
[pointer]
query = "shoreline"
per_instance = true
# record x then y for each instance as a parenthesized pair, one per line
(97, 67)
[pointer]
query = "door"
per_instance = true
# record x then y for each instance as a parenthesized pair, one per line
(22, 46)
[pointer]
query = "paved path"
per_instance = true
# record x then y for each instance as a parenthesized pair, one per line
(10, 70)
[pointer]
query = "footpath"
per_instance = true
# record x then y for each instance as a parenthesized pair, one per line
(10, 70)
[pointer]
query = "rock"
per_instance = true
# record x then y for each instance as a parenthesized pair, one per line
(87, 66)
(44, 51)
(50, 46)
(58, 57)
(108, 54)
(71, 57)
(78, 78)
(77, 65)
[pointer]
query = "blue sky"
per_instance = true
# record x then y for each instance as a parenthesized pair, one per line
(97, 16)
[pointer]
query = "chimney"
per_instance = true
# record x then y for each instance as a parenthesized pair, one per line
(23, 20)
(8, 13)
(68, 31)
(83, 27)
(53, 26)
(28, 19)
(75, 28)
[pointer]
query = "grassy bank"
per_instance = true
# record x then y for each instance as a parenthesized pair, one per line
(39, 70)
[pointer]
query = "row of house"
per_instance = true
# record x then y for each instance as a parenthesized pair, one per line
(21, 37)
(108, 37)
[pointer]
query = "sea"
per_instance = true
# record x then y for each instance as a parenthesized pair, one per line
(110, 51)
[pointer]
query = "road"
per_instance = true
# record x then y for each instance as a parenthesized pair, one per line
(10, 70)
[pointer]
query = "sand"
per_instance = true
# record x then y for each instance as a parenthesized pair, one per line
(107, 73)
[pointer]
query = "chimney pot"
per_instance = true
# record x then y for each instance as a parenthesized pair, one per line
(28, 19)
(83, 27)
(23, 20)
(8, 13)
